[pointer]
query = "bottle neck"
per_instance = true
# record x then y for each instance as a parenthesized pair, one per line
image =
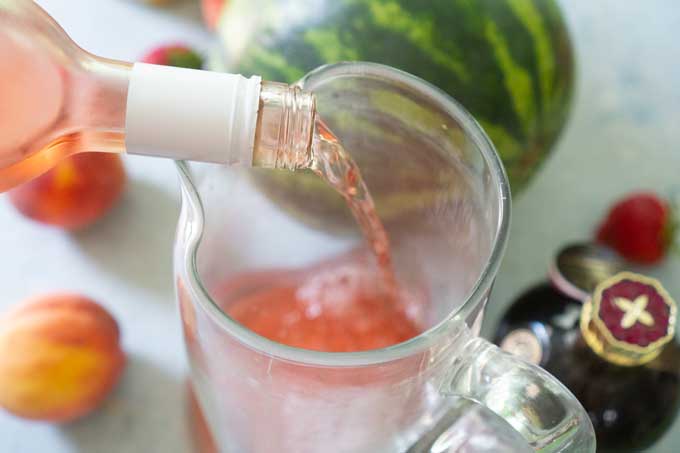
(206, 116)
(98, 100)
(285, 126)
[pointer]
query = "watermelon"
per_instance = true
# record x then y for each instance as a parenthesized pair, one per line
(508, 62)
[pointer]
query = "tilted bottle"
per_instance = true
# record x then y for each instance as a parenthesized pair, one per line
(58, 100)
(613, 348)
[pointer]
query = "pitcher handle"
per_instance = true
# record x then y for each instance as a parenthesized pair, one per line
(469, 427)
(542, 410)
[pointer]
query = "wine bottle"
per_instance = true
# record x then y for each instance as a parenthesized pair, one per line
(58, 100)
(613, 350)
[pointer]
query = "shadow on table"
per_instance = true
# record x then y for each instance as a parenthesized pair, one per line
(135, 240)
(146, 413)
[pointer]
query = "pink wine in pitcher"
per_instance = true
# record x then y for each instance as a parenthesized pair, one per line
(332, 307)
(349, 304)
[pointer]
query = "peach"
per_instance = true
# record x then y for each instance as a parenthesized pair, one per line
(75, 193)
(59, 357)
(212, 10)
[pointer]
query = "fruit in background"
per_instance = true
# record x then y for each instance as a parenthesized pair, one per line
(59, 357)
(75, 193)
(212, 10)
(508, 62)
(178, 55)
(640, 227)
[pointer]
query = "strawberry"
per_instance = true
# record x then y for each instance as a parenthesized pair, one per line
(639, 227)
(174, 55)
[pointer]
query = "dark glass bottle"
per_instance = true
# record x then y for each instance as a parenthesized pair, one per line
(613, 351)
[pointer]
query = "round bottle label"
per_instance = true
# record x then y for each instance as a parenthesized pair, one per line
(524, 344)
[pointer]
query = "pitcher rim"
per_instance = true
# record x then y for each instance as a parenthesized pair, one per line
(191, 200)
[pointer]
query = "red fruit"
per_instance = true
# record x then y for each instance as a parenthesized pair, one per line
(212, 10)
(60, 357)
(177, 55)
(639, 227)
(75, 193)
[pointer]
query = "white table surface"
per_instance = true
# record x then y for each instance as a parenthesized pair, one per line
(124, 262)
(624, 134)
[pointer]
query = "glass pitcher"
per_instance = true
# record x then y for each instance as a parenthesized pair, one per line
(442, 194)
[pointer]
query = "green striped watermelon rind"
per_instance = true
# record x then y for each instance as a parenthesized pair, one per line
(509, 62)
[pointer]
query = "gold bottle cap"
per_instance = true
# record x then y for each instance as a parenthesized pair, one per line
(628, 319)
